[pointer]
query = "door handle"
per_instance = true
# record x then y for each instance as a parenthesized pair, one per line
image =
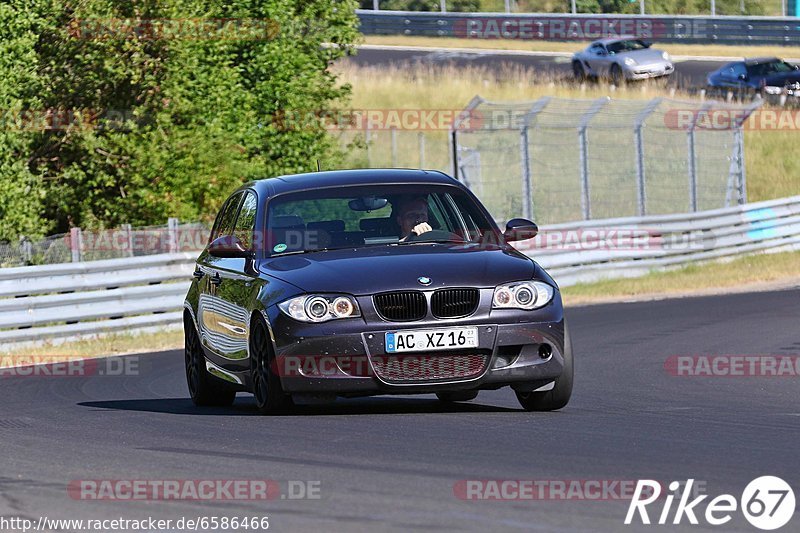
(216, 280)
(198, 274)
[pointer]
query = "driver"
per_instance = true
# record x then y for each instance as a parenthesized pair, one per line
(412, 216)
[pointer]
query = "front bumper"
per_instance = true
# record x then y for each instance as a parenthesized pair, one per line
(643, 72)
(523, 349)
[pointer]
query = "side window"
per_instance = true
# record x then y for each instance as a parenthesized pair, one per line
(224, 224)
(246, 221)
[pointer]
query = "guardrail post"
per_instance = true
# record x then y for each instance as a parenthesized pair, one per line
(393, 132)
(421, 141)
(586, 205)
(641, 191)
(128, 231)
(172, 231)
(76, 244)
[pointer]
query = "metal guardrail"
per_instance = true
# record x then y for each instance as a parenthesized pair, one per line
(55, 302)
(567, 27)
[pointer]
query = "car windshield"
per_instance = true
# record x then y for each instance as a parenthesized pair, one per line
(773, 67)
(353, 217)
(628, 45)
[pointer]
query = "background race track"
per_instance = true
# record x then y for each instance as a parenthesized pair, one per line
(392, 462)
(689, 74)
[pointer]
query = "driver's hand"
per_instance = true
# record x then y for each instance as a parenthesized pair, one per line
(422, 227)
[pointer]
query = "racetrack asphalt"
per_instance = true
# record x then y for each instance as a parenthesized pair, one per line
(391, 463)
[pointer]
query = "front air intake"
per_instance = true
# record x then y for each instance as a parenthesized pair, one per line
(401, 306)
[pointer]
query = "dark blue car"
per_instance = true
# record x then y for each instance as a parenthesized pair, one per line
(363, 282)
(763, 75)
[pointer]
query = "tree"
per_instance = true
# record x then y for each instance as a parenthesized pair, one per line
(162, 120)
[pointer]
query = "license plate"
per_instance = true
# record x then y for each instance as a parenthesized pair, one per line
(425, 340)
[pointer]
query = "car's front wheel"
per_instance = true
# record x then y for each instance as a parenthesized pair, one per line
(202, 388)
(617, 76)
(270, 397)
(559, 395)
(578, 72)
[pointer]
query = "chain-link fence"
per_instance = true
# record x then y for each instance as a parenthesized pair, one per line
(125, 241)
(558, 160)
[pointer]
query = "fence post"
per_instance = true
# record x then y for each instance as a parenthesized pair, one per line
(172, 230)
(393, 132)
(75, 244)
(369, 145)
(641, 193)
(454, 153)
(739, 134)
(421, 140)
(375, 5)
(692, 161)
(586, 205)
(128, 231)
(528, 203)
(465, 115)
(525, 163)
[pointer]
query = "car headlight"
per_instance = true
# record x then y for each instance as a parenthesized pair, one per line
(522, 295)
(630, 61)
(665, 56)
(320, 307)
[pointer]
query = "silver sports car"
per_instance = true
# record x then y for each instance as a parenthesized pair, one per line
(620, 60)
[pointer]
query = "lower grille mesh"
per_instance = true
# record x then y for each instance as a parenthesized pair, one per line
(427, 368)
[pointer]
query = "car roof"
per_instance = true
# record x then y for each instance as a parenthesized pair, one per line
(339, 178)
(609, 40)
(759, 60)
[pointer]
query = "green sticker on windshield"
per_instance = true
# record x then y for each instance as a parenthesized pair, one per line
(279, 248)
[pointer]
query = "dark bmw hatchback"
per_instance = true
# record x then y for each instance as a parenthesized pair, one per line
(764, 75)
(365, 282)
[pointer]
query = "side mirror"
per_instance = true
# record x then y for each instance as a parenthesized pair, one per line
(520, 229)
(228, 247)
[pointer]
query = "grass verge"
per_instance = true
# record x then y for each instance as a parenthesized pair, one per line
(719, 50)
(748, 273)
(116, 344)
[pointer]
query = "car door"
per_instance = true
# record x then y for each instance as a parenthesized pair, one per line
(220, 325)
(598, 59)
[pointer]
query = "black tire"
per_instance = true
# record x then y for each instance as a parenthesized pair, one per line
(203, 389)
(267, 389)
(616, 75)
(457, 396)
(559, 395)
(578, 71)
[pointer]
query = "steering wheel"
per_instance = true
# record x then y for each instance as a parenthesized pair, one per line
(434, 235)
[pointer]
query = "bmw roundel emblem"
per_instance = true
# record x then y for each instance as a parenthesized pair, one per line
(424, 280)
